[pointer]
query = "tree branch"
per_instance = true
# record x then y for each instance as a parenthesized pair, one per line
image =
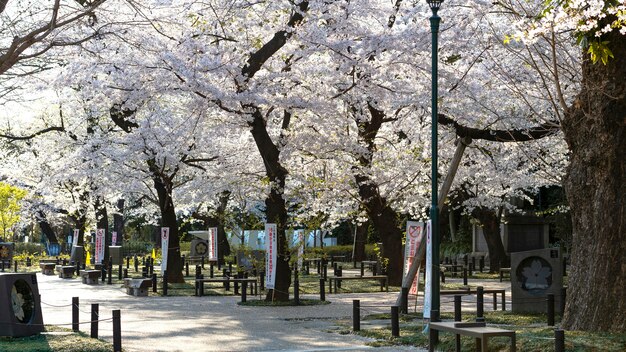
(514, 135)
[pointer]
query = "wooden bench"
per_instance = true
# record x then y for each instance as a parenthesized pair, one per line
(90, 277)
(467, 291)
(225, 280)
(335, 279)
(65, 271)
(47, 268)
(504, 270)
(137, 287)
(480, 331)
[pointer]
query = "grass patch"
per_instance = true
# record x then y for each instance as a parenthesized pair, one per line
(71, 342)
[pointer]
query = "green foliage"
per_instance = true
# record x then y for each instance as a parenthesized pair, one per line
(139, 248)
(10, 198)
(599, 51)
(29, 248)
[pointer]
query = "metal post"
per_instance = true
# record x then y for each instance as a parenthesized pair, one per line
(356, 315)
(244, 292)
(119, 272)
(550, 309)
(15, 267)
(322, 290)
(457, 307)
(187, 269)
(480, 301)
(211, 270)
(117, 331)
(464, 276)
(559, 340)
(362, 269)
(110, 272)
(75, 303)
(165, 283)
(154, 283)
(395, 321)
(481, 264)
(94, 320)
(434, 207)
(125, 274)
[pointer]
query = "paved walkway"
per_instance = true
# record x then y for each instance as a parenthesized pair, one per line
(214, 323)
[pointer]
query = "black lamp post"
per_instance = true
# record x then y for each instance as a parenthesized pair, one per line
(434, 211)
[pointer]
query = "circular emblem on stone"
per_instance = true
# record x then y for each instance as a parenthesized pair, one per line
(534, 275)
(201, 248)
(22, 302)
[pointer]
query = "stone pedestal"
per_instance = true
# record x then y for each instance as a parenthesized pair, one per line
(78, 254)
(116, 255)
(534, 275)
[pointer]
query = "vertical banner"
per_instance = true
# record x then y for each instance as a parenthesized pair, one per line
(300, 247)
(165, 242)
(99, 246)
(213, 243)
(75, 238)
(270, 255)
(429, 273)
(414, 234)
(113, 238)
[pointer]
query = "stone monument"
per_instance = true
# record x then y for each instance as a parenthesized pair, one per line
(20, 306)
(534, 275)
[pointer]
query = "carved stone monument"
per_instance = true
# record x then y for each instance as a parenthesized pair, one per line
(116, 255)
(78, 254)
(20, 306)
(199, 248)
(6, 253)
(534, 275)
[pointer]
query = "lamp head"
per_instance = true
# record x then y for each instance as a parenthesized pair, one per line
(434, 4)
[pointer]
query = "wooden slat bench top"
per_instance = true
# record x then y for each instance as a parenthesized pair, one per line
(481, 333)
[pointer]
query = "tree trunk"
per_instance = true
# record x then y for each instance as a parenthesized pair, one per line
(594, 129)
(168, 219)
(490, 223)
(45, 227)
(275, 208)
(118, 222)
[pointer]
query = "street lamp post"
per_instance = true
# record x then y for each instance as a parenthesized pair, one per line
(434, 211)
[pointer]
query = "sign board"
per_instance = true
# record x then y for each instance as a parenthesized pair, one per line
(165, 241)
(99, 246)
(414, 233)
(113, 238)
(75, 238)
(270, 255)
(429, 273)
(213, 243)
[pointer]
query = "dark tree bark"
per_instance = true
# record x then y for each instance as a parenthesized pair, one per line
(359, 241)
(118, 222)
(45, 227)
(163, 187)
(490, 223)
(384, 219)
(594, 129)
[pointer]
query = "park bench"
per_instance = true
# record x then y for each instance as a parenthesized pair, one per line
(90, 277)
(467, 291)
(479, 331)
(65, 271)
(137, 287)
(504, 270)
(47, 268)
(225, 280)
(333, 280)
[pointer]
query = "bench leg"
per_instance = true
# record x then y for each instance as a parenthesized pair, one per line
(503, 302)
(495, 301)
(485, 342)
(457, 338)
(478, 345)
(513, 343)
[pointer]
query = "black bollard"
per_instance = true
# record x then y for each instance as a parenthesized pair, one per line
(339, 273)
(481, 264)
(395, 321)
(154, 283)
(144, 272)
(201, 287)
(262, 278)
(404, 307)
(120, 276)
(110, 273)
(117, 331)
(457, 307)
(127, 262)
(151, 267)
(550, 309)
(198, 271)
(464, 276)
(362, 269)
(480, 304)
(187, 269)
(443, 276)
(244, 292)
(28, 261)
(78, 268)
(75, 304)
(202, 262)
(15, 267)
(164, 282)
(559, 340)
(104, 273)
(136, 263)
(356, 315)
(471, 269)
(125, 275)
(94, 320)
(322, 289)
(211, 270)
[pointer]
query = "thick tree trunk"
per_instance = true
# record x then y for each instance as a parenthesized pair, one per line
(118, 222)
(45, 227)
(359, 242)
(594, 129)
(168, 219)
(490, 223)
